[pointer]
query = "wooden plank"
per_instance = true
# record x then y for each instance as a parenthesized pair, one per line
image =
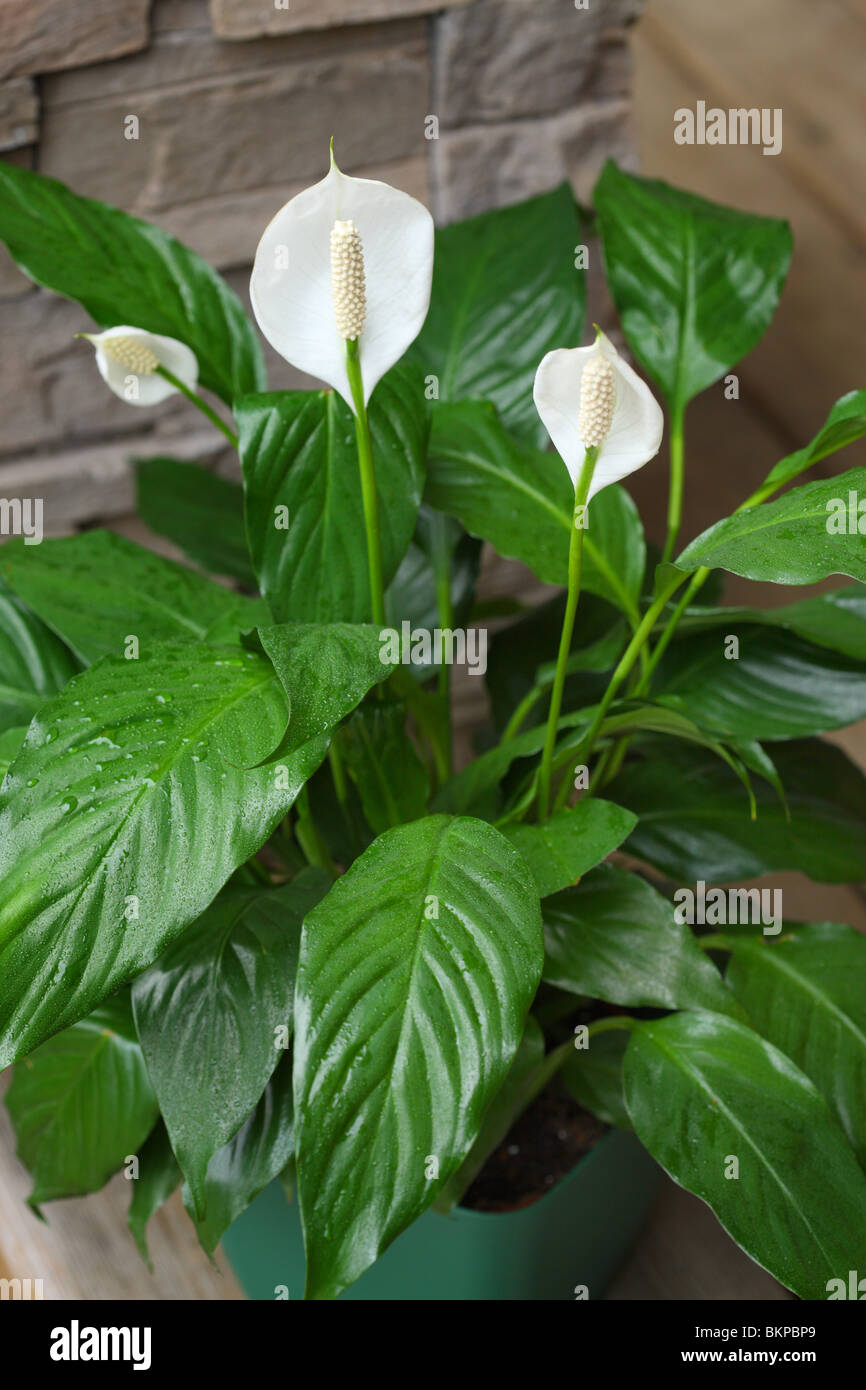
(813, 351)
(806, 59)
(85, 1251)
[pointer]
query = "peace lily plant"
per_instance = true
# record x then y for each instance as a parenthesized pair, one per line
(255, 919)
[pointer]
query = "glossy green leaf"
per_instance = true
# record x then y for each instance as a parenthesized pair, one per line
(133, 800)
(806, 993)
(615, 938)
(384, 764)
(777, 687)
(695, 283)
(215, 1010)
(755, 758)
(200, 512)
(123, 270)
(299, 454)
(660, 719)
(158, 1176)
(256, 1155)
(693, 816)
(836, 619)
(650, 722)
(81, 1104)
(518, 1090)
(845, 424)
(11, 743)
(98, 589)
(789, 541)
(571, 843)
(505, 291)
(326, 670)
(702, 1089)
(474, 788)
(416, 973)
(593, 1075)
(34, 663)
(520, 499)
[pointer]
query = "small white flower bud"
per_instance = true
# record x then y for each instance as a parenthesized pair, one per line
(597, 401)
(347, 279)
(131, 353)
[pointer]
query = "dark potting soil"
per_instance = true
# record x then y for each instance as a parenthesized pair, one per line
(541, 1147)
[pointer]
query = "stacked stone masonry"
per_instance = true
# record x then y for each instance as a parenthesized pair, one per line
(467, 104)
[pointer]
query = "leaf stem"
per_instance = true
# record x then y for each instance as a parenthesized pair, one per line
(338, 773)
(307, 834)
(445, 612)
(563, 792)
(677, 480)
(620, 1022)
(627, 660)
(555, 1058)
(615, 761)
(259, 870)
(199, 403)
(341, 789)
(575, 560)
(368, 482)
(612, 762)
(698, 579)
(527, 704)
(716, 941)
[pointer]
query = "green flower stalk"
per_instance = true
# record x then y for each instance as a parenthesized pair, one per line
(677, 483)
(616, 428)
(368, 484)
(575, 562)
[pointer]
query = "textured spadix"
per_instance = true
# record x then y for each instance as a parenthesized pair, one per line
(127, 359)
(590, 396)
(348, 288)
(305, 307)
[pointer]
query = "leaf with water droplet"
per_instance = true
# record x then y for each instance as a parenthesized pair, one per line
(65, 891)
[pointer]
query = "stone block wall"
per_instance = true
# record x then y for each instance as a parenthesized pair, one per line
(234, 104)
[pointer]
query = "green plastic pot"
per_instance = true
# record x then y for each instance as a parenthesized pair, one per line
(575, 1235)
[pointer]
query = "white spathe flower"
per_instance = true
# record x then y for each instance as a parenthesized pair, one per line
(590, 396)
(127, 359)
(346, 258)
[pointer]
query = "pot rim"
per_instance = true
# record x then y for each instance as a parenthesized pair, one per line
(464, 1214)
